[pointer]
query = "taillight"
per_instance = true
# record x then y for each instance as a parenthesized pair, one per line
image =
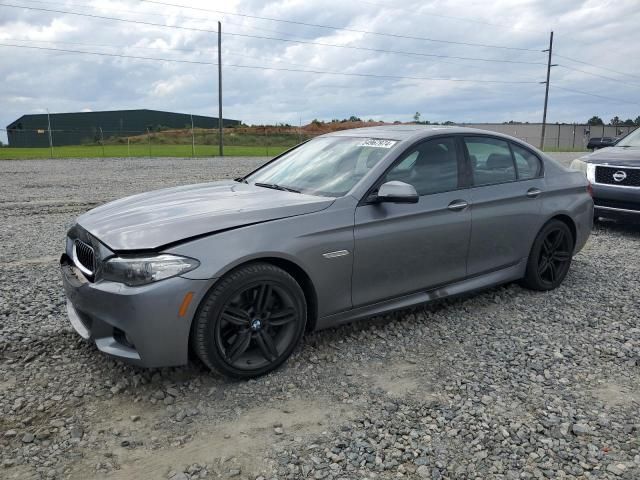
(590, 190)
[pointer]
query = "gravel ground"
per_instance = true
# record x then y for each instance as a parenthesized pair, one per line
(504, 384)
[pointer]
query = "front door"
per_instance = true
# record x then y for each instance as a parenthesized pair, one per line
(405, 248)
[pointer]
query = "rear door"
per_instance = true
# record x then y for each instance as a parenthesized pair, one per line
(404, 248)
(505, 216)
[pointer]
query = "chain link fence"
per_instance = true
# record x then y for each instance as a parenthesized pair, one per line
(558, 136)
(246, 140)
(196, 142)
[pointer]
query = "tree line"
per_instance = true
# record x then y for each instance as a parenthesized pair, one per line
(615, 121)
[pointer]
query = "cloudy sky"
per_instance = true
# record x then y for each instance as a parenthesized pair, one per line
(493, 76)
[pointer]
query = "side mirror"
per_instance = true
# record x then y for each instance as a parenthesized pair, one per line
(397, 192)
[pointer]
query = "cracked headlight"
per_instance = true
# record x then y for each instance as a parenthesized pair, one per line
(141, 270)
(589, 169)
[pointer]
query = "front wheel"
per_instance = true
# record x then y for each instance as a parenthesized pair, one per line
(550, 257)
(250, 322)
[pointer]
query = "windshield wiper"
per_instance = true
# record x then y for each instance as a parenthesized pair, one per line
(275, 186)
(240, 180)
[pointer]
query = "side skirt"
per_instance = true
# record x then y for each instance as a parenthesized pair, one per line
(486, 280)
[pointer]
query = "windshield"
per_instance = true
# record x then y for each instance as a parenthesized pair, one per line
(326, 166)
(631, 140)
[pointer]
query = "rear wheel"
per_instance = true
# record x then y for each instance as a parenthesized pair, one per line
(251, 322)
(550, 257)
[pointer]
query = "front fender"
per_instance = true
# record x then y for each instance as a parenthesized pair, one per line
(303, 240)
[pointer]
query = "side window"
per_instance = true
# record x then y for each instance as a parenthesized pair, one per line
(431, 167)
(405, 166)
(491, 160)
(527, 163)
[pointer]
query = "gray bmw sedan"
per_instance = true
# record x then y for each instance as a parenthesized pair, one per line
(348, 225)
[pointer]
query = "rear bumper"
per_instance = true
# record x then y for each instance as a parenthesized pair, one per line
(584, 226)
(622, 203)
(140, 325)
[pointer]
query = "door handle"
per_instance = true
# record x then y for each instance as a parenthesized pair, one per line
(533, 192)
(457, 205)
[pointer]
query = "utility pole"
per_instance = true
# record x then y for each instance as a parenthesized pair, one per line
(546, 90)
(220, 87)
(149, 138)
(193, 139)
(102, 141)
(50, 137)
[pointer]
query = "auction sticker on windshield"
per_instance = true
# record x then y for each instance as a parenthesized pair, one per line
(377, 143)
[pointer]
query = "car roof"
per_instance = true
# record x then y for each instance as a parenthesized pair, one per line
(405, 132)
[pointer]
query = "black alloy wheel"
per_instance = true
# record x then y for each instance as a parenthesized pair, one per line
(550, 257)
(256, 325)
(251, 322)
(555, 255)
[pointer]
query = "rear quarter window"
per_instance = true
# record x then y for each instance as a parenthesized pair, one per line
(528, 164)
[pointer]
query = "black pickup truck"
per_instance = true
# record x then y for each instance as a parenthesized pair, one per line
(614, 174)
(601, 142)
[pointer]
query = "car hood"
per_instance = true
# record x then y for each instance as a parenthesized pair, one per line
(155, 219)
(619, 156)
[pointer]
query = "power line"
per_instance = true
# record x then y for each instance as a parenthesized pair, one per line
(105, 54)
(420, 54)
(256, 67)
(345, 29)
(227, 21)
(597, 66)
(242, 25)
(84, 44)
(132, 12)
(104, 17)
(304, 42)
(595, 95)
(286, 21)
(380, 50)
(617, 80)
(169, 49)
(202, 51)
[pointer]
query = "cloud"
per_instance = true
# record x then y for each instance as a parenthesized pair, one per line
(593, 31)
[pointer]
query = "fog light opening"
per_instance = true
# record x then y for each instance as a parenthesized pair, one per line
(122, 338)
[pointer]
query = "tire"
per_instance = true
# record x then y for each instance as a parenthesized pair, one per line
(250, 322)
(550, 257)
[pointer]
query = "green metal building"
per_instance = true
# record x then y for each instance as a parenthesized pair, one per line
(90, 127)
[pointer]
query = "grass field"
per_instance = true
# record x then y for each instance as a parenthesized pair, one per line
(137, 150)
